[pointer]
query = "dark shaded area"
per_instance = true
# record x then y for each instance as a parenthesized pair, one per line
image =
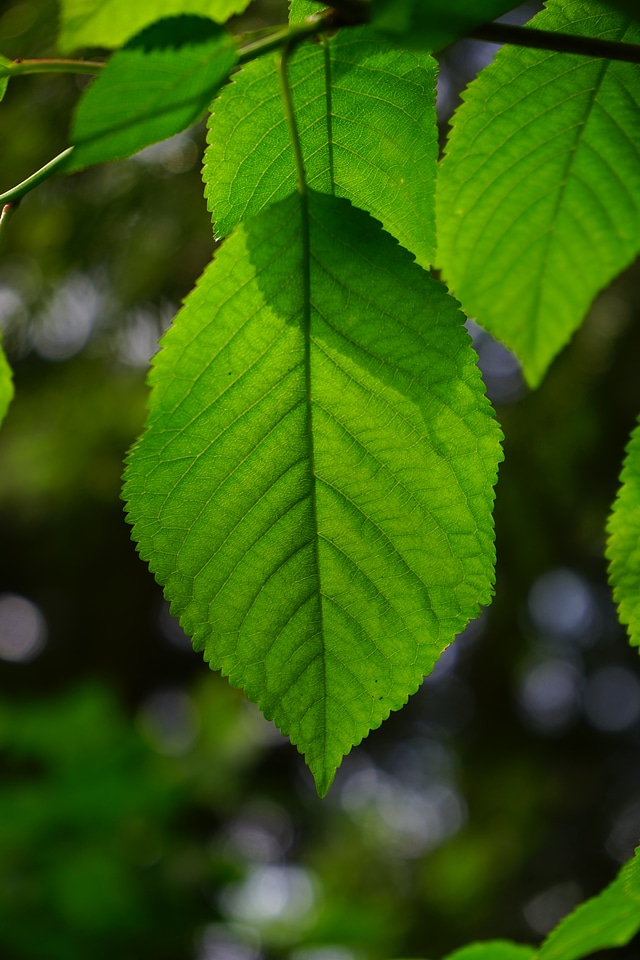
(146, 809)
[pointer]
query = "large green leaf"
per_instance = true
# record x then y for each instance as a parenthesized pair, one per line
(433, 24)
(610, 919)
(159, 83)
(6, 385)
(623, 548)
(366, 115)
(539, 194)
(314, 487)
(108, 23)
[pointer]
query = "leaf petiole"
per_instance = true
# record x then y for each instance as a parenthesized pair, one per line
(17, 68)
(12, 196)
(285, 37)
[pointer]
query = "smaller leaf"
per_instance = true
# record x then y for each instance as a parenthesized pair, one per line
(160, 83)
(6, 385)
(623, 550)
(431, 26)
(86, 23)
(610, 919)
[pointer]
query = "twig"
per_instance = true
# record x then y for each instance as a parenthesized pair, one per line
(11, 197)
(17, 68)
(557, 42)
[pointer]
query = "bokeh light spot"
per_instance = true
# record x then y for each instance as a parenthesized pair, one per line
(612, 699)
(23, 629)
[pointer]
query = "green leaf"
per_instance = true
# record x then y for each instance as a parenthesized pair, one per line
(378, 148)
(623, 550)
(494, 950)
(314, 486)
(6, 385)
(109, 23)
(631, 876)
(433, 25)
(539, 194)
(299, 10)
(159, 83)
(610, 919)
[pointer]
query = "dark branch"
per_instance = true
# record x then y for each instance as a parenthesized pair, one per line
(557, 42)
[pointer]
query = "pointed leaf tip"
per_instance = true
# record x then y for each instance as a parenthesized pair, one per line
(315, 484)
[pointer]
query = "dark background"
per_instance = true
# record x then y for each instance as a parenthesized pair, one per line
(146, 809)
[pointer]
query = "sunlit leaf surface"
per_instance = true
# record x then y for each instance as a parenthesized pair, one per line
(314, 487)
(624, 542)
(159, 83)
(109, 23)
(366, 115)
(539, 194)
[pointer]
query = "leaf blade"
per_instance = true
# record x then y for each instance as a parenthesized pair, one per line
(159, 84)
(539, 195)
(623, 529)
(85, 23)
(353, 535)
(382, 131)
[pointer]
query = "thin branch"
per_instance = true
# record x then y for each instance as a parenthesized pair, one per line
(17, 68)
(11, 197)
(557, 42)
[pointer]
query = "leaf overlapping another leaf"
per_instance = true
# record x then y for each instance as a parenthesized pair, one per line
(314, 487)
(623, 549)
(367, 126)
(160, 83)
(539, 194)
(109, 23)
